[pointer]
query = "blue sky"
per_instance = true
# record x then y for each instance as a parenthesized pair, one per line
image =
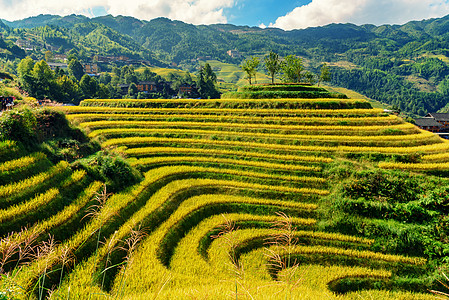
(252, 13)
(284, 14)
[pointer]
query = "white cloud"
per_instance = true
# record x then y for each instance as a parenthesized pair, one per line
(322, 12)
(190, 11)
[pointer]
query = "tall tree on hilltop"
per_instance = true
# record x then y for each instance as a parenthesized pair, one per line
(292, 69)
(272, 64)
(325, 74)
(249, 66)
(206, 83)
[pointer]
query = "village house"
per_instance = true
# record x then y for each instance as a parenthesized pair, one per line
(429, 124)
(51, 47)
(234, 53)
(54, 65)
(442, 118)
(91, 69)
(25, 45)
(60, 57)
(147, 87)
(187, 89)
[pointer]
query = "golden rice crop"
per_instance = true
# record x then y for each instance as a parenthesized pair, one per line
(310, 119)
(21, 162)
(9, 189)
(329, 129)
(364, 254)
(174, 150)
(40, 200)
(214, 101)
(423, 136)
(23, 208)
(415, 166)
(259, 164)
(275, 113)
(26, 275)
(219, 255)
(436, 157)
(136, 141)
(162, 196)
(60, 217)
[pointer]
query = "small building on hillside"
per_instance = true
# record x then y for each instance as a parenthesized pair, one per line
(187, 89)
(54, 65)
(124, 88)
(147, 86)
(25, 44)
(234, 53)
(60, 57)
(429, 124)
(91, 69)
(442, 118)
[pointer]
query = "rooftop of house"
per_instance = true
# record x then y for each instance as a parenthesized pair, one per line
(439, 116)
(428, 121)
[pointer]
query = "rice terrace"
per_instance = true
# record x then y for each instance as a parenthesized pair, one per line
(243, 197)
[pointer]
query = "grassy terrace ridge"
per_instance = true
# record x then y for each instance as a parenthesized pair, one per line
(292, 198)
(289, 103)
(89, 110)
(404, 128)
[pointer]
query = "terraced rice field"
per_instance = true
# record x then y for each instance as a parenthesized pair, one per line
(228, 208)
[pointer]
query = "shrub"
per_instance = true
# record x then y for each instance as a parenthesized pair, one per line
(19, 125)
(111, 168)
(392, 187)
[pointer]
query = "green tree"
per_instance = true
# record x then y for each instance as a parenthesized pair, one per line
(131, 78)
(325, 74)
(147, 75)
(89, 86)
(292, 69)
(69, 91)
(309, 77)
(24, 69)
(49, 57)
(250, 66)
(272, 64)
(132, 90)
(44, 85)
(105, 78)
(103, 91)
(76, 69)
(206, 83)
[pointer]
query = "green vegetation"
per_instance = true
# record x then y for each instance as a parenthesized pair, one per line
(212, 197)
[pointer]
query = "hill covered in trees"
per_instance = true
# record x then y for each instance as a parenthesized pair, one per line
(402, 65)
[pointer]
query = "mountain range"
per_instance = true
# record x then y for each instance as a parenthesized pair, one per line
(402, 65)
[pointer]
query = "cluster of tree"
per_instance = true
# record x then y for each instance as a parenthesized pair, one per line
(290, 69)
(392, 89)
(71, 86)
(41, 82)
(9, 50)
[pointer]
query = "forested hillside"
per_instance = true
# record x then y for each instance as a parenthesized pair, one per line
(402, 65)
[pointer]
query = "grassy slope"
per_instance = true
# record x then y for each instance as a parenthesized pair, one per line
(354, 95)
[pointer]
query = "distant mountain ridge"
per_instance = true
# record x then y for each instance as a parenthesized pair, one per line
(403, 65)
